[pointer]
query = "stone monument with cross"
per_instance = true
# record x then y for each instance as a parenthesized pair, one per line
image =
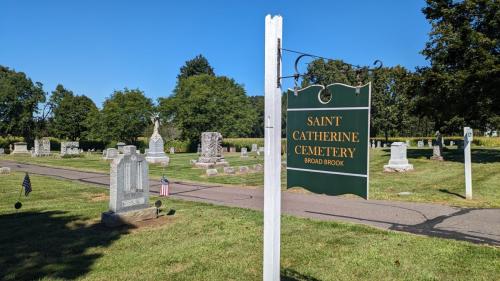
(156, 153)
(129, 189)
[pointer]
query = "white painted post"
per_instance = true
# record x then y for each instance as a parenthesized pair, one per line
(467, 162)
(272, 154)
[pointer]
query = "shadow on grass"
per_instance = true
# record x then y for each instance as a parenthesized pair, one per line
(478, 155)
(50, 244)
(451, 193)
(288, 274)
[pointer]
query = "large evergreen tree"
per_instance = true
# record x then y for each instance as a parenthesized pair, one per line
(461, 85)
(196, 66)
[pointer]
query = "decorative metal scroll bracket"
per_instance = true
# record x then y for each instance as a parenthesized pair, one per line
(358, 69)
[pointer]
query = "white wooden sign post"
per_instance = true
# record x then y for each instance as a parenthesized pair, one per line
(467, 162)
(272, 153)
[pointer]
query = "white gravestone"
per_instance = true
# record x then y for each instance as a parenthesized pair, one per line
(429, 143)
(244, 152)
(244, 169)
(70, 148)
(379, 144)
(129, 189)
(42, 147)
(232, 149)
(5, 170)
(407, 143)
(2, 151)
(254, 147)
(120, 146)
(420, 144)
(211, 172)
(211, 151)
(20, 148)
(156, 153)
(110, 153)
(373, 144)
(229, 170)
(172, 150)
(398, 161)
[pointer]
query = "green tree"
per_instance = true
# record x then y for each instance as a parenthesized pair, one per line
(461, 85)
(124, 116)
(325, 72)
(208, 103)
(392, 102)
(257, 103)
(19, 100)
(392, 92)
(70, 114)
(196, 66)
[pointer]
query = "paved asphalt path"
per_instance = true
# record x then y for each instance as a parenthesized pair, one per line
(468, 224)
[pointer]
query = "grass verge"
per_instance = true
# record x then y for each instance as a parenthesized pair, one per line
(57, 235)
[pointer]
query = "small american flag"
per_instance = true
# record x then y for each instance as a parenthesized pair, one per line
(27, 185)
(164, 187)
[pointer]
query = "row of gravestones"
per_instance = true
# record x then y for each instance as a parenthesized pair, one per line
(399, 161)
(42, 148)
(256, 150)
(420, 144)
(232, 170)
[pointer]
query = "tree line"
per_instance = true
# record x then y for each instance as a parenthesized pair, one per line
(458, 88)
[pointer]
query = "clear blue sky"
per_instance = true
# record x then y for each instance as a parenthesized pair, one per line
(95, 47)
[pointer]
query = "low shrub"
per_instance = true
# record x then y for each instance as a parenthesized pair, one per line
(5, 142)
(179, 145)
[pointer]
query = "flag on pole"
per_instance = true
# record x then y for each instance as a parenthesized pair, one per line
(164, 187)
(27, 184)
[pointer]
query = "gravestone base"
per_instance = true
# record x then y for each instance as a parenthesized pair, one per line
(437, 158)
(211, 165)
(401, 168)
(154, 159)
(20, 148)
(112, 219)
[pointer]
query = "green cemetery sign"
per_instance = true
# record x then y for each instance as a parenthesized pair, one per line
(327, 141)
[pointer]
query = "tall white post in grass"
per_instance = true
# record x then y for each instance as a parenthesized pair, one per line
(272, 154)
(467, 162)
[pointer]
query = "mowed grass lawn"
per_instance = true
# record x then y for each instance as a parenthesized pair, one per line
(431, 181)
(57, 236)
